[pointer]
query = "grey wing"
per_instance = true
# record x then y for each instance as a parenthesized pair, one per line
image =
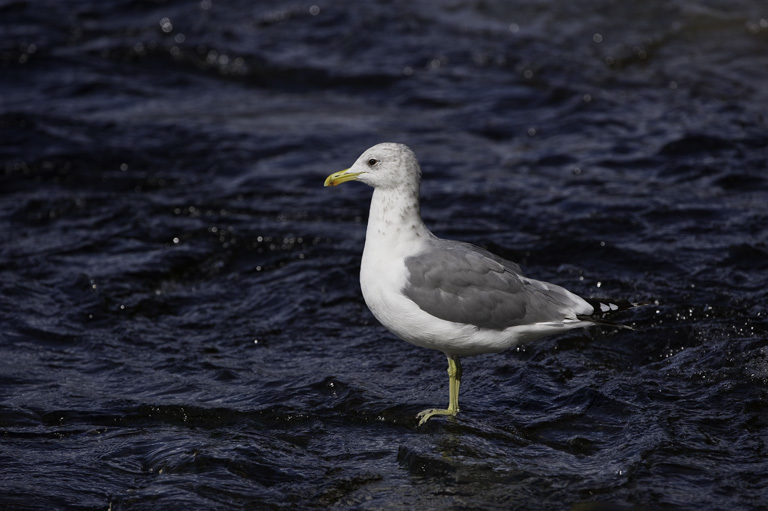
(462, 283)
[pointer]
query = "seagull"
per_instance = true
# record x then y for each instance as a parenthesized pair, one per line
(447, 295)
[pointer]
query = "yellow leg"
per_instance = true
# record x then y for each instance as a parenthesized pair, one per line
(454, 380)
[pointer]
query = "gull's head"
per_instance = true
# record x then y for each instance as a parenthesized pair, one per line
(385, 166)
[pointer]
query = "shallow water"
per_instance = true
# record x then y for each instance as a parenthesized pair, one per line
(182, 326)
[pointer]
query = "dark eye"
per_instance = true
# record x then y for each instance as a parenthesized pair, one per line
(372, 162)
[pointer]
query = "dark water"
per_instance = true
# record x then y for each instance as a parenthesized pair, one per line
(181, 325)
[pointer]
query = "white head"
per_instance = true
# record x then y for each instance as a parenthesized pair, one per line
(383, 166)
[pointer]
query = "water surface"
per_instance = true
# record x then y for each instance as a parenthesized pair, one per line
(181, 321)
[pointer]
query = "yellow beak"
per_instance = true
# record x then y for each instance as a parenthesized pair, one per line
(341, 176)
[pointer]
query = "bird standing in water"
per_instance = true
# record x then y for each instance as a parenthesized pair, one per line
(447, 295)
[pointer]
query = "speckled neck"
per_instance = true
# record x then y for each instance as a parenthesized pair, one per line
(395, 217)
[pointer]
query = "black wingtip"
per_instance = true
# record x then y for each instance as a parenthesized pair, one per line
(604, 307)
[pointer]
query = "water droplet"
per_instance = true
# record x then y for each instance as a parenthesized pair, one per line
(166, 25)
